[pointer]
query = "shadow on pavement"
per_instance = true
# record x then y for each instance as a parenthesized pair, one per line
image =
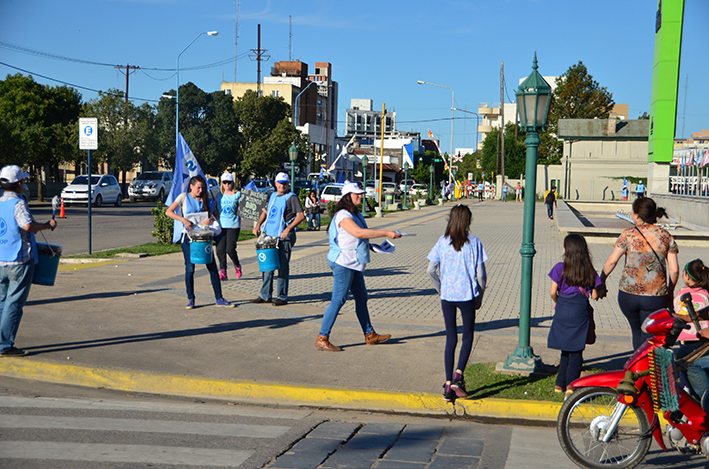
(213, 329)
(92, 296)
(509, 323)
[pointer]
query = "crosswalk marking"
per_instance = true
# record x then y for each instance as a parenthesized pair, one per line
(137, 454)
(137, 425)
(97, 404)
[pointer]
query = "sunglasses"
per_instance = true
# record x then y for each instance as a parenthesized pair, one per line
(227, 182)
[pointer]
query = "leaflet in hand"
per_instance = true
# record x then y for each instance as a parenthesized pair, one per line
(404, 234)
(386, 247)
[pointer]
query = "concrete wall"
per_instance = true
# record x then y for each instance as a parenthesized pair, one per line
(692, 211)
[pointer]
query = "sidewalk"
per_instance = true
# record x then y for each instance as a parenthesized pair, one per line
(123, 324)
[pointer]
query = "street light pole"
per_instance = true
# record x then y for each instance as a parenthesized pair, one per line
(177, 90)
(297, 99)
(365, 163)
(406, 180)
(477, 119)
(533, 98)
(450, 154)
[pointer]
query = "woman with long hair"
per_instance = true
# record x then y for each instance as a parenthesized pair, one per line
(194, 205)
(349, 255)
(572, 282)
(312, 210)
(460, 257)
(651, 271)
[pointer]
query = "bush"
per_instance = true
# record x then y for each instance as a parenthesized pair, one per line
(331, 208)
(304, 193)
(371, 203)
(163, 225)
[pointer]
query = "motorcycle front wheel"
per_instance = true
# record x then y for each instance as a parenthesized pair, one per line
(582, 424)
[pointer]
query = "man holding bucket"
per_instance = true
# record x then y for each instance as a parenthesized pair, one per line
(18, 256)
(282, 215)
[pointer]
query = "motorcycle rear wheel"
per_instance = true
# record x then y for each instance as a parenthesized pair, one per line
(580, 424)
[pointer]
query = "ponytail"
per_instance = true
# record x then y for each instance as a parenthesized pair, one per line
(697, 271)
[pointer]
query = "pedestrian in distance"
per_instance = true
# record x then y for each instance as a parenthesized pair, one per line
(481, 190)
(349, 237)
(624, 192)
(572, 281)
(460, 258)
(228, 206)
(640, 190)
(312, 210)
(195, 208)
(504, 192)
(518, 192)
(279, 220)
(550, 202)
(18, 256)
(651, 270)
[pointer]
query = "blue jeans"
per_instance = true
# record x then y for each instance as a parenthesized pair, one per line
(189, 273)
(285, 247)
(346, 280)
(550, 210)
(15, 282)
(310, 220)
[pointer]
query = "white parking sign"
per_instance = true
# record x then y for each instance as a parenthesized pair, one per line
(88, 133)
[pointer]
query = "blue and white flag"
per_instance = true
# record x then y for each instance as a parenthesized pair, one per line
(409, 154)
(186, 167)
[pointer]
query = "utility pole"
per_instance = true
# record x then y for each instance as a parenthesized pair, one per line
(502, 118)
(130, 69)
(237, 4)
(258, 56)
(290, 38)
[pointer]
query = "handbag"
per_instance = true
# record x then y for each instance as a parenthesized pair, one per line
(591, 335)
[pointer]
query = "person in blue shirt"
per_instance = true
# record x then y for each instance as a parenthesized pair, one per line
(227, 206)
(640, 189)
(349, 237)
(18, 256)
(461, 258)
(279, 220)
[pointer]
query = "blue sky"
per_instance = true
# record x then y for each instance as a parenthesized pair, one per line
(378, 49)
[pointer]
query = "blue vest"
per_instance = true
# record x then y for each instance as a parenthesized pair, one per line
(640, 188)
(191, 205)
(228, 206)
(362, 248)
(10, 234)
(276, 223)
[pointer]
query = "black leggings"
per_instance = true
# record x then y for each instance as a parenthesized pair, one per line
(467, 311)
(227, 245)
(569, 368)
(636, 308)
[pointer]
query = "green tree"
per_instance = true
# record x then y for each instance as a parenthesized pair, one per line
(38, 124)
(267, 133)
(515, 153)
(577, 96)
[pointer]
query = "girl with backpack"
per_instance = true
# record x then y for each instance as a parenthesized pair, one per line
(572, 281)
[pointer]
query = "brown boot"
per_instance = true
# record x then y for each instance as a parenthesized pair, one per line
(323, 343)
(374, 338)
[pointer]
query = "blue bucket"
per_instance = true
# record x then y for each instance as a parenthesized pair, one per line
(268, 259)
(45, 272)
(201, 246)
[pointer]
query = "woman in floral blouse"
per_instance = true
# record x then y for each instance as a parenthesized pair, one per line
(651, 254)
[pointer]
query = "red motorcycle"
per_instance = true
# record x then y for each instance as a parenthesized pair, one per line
(611, 417)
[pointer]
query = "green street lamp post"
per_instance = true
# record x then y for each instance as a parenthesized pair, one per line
(292, 155)
(365, 163)
(533, 98)
(406, 190)
(430, 185)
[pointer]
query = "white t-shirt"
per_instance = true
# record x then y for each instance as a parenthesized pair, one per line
(348, 244)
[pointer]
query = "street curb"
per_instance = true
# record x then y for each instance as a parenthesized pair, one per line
(276, 393)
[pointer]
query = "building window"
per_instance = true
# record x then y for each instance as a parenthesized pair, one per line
(227, 91)
(275, 93)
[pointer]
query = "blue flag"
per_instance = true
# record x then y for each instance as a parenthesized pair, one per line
(186, 167)
(409, 154)
(251, 186)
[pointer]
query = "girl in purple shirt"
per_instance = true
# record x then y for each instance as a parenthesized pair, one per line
(572, 281)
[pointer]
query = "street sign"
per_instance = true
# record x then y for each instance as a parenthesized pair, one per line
(88, 133)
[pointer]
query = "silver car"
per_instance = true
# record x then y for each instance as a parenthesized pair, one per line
(153, 185)
(104, 188)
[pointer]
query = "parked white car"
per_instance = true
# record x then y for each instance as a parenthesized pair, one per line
(406, 184)
(153, 185)
(420, 189)
(104, 188)
(391, 188)
(330, 193)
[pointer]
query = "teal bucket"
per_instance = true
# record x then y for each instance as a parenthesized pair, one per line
(45, 272)
(268, 259)
(201, 246)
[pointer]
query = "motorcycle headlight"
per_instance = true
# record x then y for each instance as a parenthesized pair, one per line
(649, 321)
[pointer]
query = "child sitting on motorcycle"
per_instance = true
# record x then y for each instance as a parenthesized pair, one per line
(696, 280)
(572, 281)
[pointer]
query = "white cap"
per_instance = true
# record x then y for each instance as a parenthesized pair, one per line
(12, 173)
(227, 177)
(351, 187)
(282, 178)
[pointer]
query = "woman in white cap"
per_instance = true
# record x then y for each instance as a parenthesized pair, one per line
(349, 255)
(227, 206)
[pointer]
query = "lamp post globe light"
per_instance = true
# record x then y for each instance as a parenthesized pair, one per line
(365, 163)
(177, 89)
(292, 155)
(406, 180)
(533, 99)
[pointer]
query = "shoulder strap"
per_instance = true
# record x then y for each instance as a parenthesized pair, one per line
(653, 250)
